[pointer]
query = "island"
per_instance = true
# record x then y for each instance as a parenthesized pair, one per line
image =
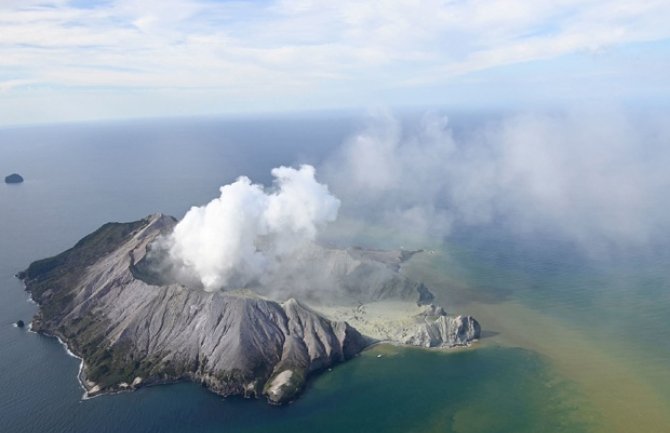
(14, 178)
(131, 328)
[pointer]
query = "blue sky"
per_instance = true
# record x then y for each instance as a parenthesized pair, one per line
(82, 60)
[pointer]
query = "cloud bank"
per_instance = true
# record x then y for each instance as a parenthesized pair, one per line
(84, 59)
(595, 179)
(246, 232)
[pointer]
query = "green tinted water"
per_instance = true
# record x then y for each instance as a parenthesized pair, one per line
(601, 325)
(490, 389)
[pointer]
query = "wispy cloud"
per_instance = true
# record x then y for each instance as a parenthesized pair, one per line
(291, 48)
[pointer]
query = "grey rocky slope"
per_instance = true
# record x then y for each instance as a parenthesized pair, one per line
(131, 331)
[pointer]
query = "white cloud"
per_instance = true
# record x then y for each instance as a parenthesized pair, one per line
(298, 47)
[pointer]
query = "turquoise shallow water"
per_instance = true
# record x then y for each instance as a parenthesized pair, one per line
(558, 323)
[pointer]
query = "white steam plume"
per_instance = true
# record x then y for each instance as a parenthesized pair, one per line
(244, 233)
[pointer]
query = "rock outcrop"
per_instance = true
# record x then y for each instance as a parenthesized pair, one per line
(14, 178)
(406, 323)
(440, 330)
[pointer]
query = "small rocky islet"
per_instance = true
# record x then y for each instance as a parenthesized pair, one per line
(131, 330)
(14, 178)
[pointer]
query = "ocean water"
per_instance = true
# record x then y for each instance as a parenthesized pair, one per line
(571, 343)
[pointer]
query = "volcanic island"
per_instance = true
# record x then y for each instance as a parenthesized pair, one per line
(133, 327)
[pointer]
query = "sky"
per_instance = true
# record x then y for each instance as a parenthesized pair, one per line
(74, 60)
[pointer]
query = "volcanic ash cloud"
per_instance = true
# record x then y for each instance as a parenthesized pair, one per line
(245, 232)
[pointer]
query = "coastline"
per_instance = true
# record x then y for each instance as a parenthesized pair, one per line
(63, 343)
(80, 372)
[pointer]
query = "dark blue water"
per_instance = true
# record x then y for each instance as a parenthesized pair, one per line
(80, 176)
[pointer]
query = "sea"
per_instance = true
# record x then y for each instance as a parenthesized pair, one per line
(571, 342)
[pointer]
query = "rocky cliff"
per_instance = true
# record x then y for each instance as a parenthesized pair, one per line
(131, 332)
